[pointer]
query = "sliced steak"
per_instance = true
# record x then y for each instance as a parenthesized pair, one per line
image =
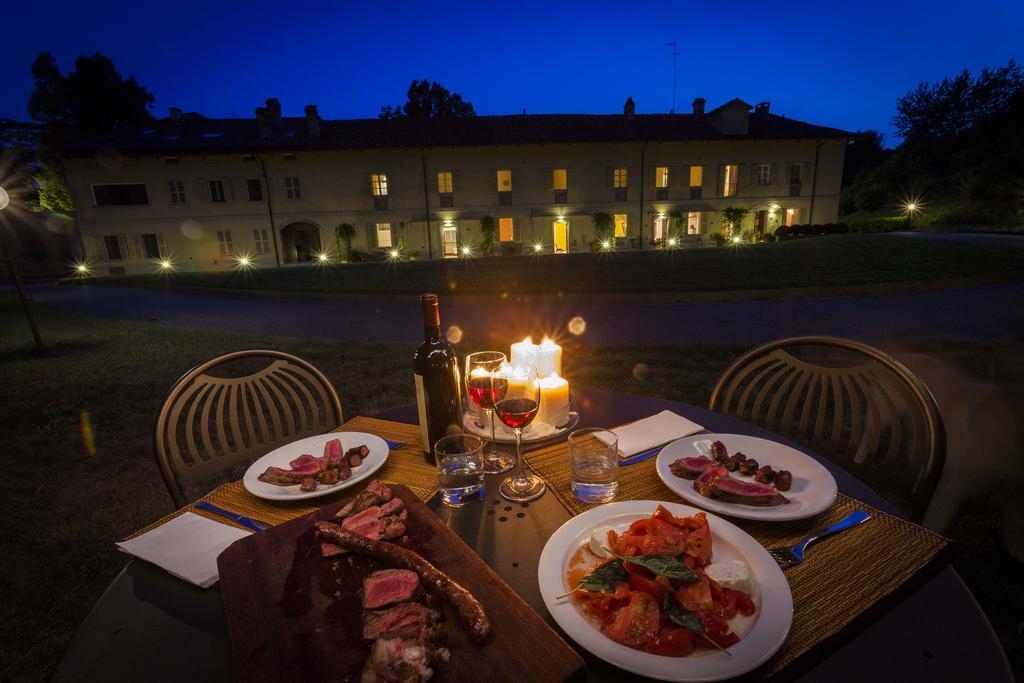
(354, 460)
(393, 527)
(308, 484)
(302, 460)
(690, 468)
(359, 502)
(397, 659)
(409, 620)
(282, 477)
(747, 493)
(328, 477)
(367, 523)
(704, 484)
(379, 488)
(332, 453)
(388, 586)
(392, 507)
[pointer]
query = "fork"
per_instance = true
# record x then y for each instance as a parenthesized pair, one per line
(787, 557)
(395, 445)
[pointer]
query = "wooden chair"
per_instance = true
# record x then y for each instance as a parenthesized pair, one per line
(849, 402)
(211, 421)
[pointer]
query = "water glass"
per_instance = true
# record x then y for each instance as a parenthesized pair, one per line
(460, 468)
(594, 458)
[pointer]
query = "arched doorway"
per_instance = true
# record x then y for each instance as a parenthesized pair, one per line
(300, 242)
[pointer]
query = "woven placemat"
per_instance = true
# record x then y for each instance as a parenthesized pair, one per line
(838, 583)
(403, 466)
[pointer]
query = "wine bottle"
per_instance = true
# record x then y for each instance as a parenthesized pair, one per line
(438, 388)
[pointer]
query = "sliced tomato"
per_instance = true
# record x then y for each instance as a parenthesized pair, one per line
(699, 540)
(716, 628)
(696, 592)
(671, 642)
(744, 604)
(639, 582)
(635, 624)
(598, 604)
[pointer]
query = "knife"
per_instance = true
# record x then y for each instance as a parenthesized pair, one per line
(240, 519)
(640, 457)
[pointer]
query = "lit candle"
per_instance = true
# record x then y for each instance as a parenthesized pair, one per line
(549, 358)
(523, 353)
(554, 401)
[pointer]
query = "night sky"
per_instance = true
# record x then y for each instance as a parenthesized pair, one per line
(831, 63)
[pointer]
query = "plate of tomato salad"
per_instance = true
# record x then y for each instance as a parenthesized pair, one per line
(662, 616)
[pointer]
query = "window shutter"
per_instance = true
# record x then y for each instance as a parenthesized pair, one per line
(229, 190)
(570, 173)
(435, 182)
(805, 173)
(753, 174)
(773, 173)
(631, 180)
(122, 243)
(549, 179)
(721, 180)
(652, 180)
(515, 230)
(367, 185)
(609, 177)
(515, 178)
(740, 170)
(456, 181)
(241, 189)
(684, 176)
(161, 245)
(138, 253)
(203, 189)
(492, 180)
(371, 236)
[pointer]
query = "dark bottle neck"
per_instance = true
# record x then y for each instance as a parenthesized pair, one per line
(432, 333)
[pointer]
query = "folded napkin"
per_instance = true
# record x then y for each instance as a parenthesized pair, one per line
(656, 430)
(187, 546)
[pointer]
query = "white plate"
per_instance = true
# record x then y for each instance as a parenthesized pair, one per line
(314, 445)
(813, 490)
(760, 635)
(534, 432)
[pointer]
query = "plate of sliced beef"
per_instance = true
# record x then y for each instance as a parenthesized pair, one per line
(316, 466)
(747, 477)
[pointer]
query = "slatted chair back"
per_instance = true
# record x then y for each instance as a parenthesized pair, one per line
(847, 401)
(212, 421)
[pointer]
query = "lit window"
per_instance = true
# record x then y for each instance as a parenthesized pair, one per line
(379, 183)
(764, 175)
(444, 182)
(794, 174)
(291, 187)
(693, 223)
(661, 177)
(792, 216)
(505, 231)
(224, 243)
(217, 191)
(255, 188)
(177, 192)
(620, 178)
(261, 241)
(559, 179)
(384, 235)
(696, 176)
(504, 181)
(730, 175)
(620, 224)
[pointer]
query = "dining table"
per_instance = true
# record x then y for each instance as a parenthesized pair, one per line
(149, 625)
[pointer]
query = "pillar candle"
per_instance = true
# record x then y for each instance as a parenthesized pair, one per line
(549, 358)
(554, 401)
(523, 353)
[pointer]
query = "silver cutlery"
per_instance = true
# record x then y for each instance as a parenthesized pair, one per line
(787, 557)
(395, 445)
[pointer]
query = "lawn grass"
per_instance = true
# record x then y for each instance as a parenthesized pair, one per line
(840, 261)
(61, 508)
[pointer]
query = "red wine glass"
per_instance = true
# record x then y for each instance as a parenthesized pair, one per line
(485, 390)
(517, 409)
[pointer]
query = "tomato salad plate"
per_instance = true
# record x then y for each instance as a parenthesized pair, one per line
(316, 466)
(746, 477)
(666, 591)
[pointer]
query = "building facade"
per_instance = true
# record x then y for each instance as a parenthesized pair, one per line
(205, 194)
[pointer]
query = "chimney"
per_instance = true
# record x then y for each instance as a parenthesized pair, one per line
(698, 107)
(274, 110)
(175, 114)
(263, 122)
(629, 108)
(312, 121)
(762, 107)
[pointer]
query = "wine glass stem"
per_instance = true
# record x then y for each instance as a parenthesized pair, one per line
(490, 418)
(519, 454)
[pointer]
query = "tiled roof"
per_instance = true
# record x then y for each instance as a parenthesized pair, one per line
(190, 135)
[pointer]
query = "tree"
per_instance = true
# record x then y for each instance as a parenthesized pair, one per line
(487, 235)
(734, 216)
(428, 100)
(345, 233)
(604, 226)
(53, 192)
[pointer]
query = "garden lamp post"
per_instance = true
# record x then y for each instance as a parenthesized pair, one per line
(5, 199)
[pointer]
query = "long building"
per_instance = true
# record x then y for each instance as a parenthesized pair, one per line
(271, 190)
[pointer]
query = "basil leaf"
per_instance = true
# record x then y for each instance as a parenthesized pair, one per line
(603, 579)
(666, 566)
(680, 616)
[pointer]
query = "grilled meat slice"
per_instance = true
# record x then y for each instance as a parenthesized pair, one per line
(719, 452)
(396, 659)
(704, 484)
(470, 611)
(308, 484)
(282, 477)
(409, 620)
(690, 468)
(354, 460)
(388, 586)
(747, 493)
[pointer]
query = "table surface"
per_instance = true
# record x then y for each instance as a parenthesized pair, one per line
(149, 625)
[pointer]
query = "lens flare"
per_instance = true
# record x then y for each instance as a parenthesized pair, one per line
(454, 334)
(577, 325)
(641, 371)
(191, 230)
(243, 262)
(737, 239)
(606, 244)
(323, 257)
(672, 241)
(165, 264)
(82, 268)
(466, 251)
(538, 248)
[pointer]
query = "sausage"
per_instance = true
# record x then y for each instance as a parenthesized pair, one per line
(733, 463)
(783, 480)
(719, 453)
(765, 474)
(470, 611)
(749, 466)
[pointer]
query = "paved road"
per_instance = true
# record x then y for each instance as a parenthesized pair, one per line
(982, 312)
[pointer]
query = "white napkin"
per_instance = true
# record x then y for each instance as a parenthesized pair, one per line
(187, 546)
(643, 435)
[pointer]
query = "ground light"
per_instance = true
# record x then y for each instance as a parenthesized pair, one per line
(165, 264)
(538, 248)
(606, 244)
(394, 254)
(466, 250)
(244, 261)
(323, 257)
(82, 268)
(912, 206)
(672, 241)
(737, 239)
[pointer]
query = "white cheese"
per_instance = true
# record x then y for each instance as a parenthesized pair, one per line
(732, 574)
(599, 541)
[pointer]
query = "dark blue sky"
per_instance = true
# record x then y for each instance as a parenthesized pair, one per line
(834, 63)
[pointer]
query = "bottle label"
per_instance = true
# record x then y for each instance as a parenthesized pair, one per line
(421, 408)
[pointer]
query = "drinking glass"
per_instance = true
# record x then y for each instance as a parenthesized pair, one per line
(517, 409)
(594, 459)
(460, 468)
(485, 390)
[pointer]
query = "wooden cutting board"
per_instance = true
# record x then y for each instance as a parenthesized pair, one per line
(295, 615)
